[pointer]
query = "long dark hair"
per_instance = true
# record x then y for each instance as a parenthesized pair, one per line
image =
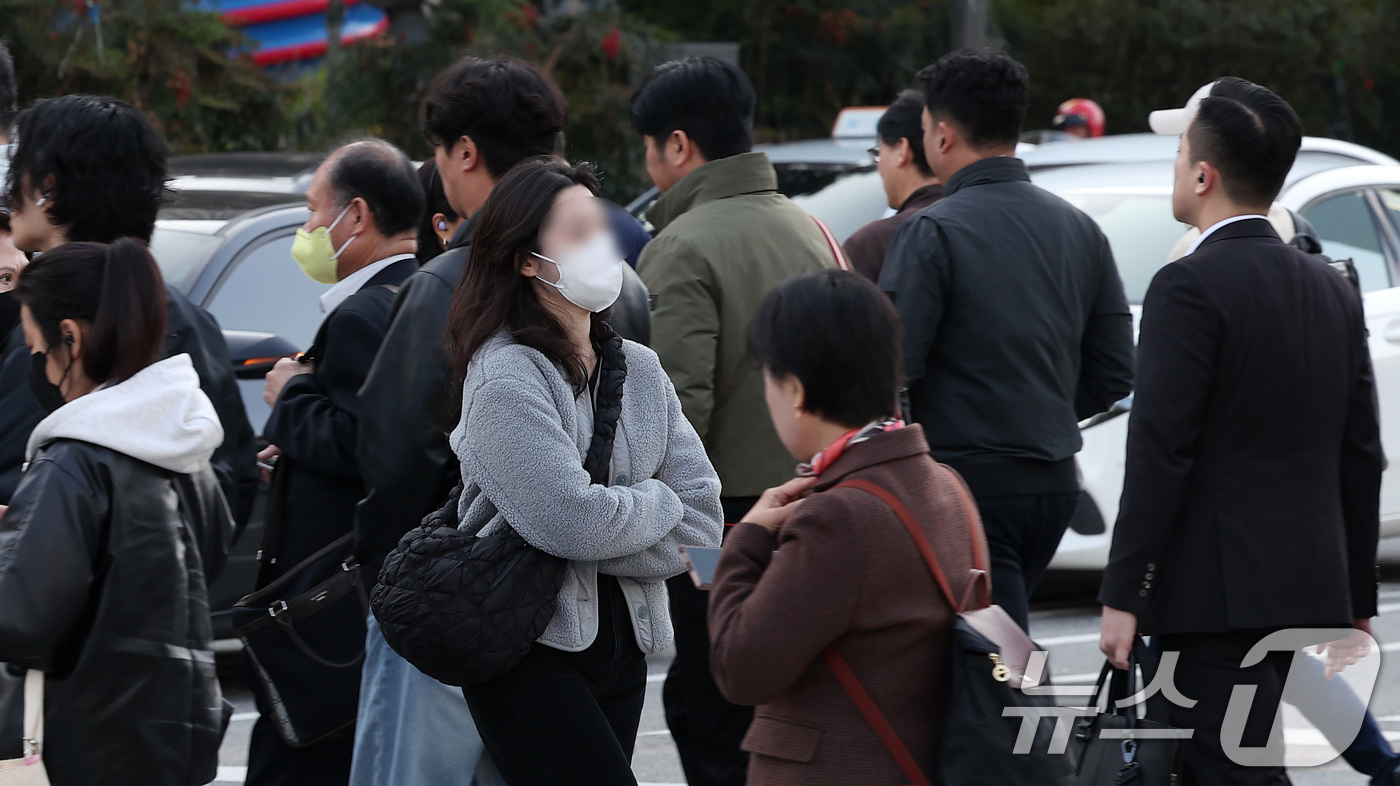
(117, 290)
(492, 293)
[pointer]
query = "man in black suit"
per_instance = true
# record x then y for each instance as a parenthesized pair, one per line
(1251, 497)
(365, 202)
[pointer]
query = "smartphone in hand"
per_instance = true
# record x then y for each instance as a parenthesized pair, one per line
(702, 562)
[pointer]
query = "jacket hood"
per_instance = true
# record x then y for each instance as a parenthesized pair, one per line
(159, 416)
(746, 173)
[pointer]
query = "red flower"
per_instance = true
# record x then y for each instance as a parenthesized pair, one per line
(181, 85)
(530, 14)
(612, 44)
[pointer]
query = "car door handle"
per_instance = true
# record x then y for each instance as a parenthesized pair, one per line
(1392, 331)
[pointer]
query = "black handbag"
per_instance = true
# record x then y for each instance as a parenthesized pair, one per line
(990, 654)
(1111, 752)
(305, 635)
(465, 609)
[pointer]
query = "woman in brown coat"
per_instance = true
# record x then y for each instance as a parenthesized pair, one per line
(817, 564)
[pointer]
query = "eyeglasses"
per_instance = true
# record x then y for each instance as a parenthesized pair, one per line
(874, 153)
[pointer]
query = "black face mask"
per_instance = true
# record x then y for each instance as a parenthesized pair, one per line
(49, 395)
(9, 313)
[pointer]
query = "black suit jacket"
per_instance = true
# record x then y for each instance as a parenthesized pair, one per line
(1252, 489)
(316, 425)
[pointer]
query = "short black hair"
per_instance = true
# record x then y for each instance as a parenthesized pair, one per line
(983, 93)
(840, 335)
(511, 109)
(710, 100)
(904, 120)
(383, 177)
(106, 159)
(9, 96)
(1251, 135)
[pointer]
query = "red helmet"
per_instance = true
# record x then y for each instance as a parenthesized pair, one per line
(1080, 112)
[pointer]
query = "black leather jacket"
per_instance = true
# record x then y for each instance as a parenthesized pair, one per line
(104, 562)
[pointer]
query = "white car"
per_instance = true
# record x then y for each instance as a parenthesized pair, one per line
(1356, 213)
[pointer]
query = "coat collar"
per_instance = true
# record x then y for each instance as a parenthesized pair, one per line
(921, 198)
(998, 169)
(746, 173)
(1257, 226)
(879, 449)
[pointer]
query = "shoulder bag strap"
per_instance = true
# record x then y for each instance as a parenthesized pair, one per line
(33, 714)
(874, 717)
(841, 261)
(847, 677)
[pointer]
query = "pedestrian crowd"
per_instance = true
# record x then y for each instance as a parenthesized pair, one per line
(495, 478)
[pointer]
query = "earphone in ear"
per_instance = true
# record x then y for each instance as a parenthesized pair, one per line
(442, 225)
(1201, 178)
(41, 201)
(68, 339)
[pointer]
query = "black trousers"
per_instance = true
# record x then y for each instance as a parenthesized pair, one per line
(1208, 671)
(707, 728)
(1023, 533)
(568, 717)
(272, 762)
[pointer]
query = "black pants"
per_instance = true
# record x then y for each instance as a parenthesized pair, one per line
(1022, 535)
(1208, 671)
(707, 728)
(568, 717)
(272, 762)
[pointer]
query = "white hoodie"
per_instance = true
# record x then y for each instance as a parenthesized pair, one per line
(159, 416)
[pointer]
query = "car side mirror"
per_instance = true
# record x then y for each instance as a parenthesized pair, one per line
(254, 354)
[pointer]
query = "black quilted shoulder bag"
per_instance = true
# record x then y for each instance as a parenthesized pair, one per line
(465, 609)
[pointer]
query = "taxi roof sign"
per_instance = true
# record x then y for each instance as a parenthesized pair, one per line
(857, 122)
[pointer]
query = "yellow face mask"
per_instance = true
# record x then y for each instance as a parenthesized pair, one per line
(315, 253)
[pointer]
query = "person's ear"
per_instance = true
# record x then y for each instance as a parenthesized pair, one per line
(793, 392)
(948, 137)
(358, 216)
(71, 337)
(1206, 178)
(464, 154)
(678, 149)
(530, 267)
(904, 152)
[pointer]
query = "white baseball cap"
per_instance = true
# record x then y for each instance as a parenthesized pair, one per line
(1173, 122)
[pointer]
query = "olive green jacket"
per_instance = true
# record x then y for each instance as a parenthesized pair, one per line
(725, 238)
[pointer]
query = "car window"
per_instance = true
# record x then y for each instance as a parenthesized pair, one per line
(182, 255)
(1390, 200)
(267, 292)
(1140, 230)
(1347, 228)
(843, 197)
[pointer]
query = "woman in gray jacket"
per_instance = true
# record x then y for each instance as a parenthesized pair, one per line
(528, 338)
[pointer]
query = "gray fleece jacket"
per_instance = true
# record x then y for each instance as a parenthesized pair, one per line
(521, 445)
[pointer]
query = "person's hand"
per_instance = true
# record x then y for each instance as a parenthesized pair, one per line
(1116, 634)
(776, 504)
(277, 378)
(268, 455)
(1347, 651)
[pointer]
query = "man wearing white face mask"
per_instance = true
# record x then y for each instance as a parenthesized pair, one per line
(360, 238)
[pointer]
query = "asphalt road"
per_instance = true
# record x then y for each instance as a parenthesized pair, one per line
(1064, 621)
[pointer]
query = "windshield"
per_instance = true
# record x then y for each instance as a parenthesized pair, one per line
(1141, 231)
(182, 255)
(843, 196)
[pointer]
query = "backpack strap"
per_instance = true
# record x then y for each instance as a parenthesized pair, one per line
(841, 262)
(979, 578)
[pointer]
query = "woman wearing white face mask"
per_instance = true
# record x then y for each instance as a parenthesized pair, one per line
(574, 438)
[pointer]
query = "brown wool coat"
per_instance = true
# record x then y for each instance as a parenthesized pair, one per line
(846, 572)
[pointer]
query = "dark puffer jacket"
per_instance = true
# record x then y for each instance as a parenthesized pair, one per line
(104, 561)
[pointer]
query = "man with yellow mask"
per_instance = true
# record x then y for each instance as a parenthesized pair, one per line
(365, 203)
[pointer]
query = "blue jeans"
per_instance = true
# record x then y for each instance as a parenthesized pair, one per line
(413, 730)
